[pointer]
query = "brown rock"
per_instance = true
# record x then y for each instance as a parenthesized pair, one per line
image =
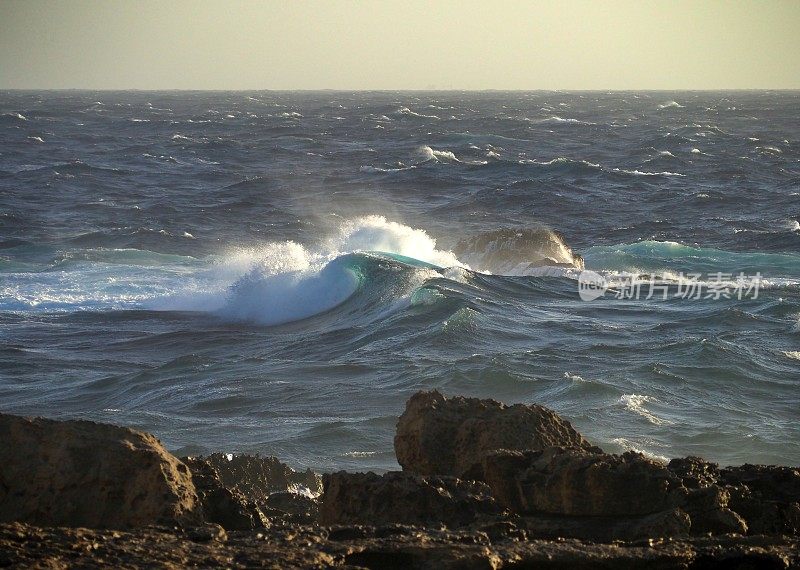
(403, 498)
(449, 436)
(80, 473)
(574, 482)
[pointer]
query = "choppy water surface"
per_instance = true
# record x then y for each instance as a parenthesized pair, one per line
(279, 272)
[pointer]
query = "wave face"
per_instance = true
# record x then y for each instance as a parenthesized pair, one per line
(278, 273)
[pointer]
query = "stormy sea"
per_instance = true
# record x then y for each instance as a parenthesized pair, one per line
(277, 272)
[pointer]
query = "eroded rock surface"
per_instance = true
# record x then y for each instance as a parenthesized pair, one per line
(375, 547)
(450, 436)
(80, 473)
(399, 497)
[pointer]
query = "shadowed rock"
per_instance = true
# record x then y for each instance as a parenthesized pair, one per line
(404, 498)
(449, 436)
(636, 497)
(573, 482)
(79, 473)
(248, 491)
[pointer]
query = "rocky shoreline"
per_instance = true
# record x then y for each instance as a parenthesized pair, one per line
(484, 485)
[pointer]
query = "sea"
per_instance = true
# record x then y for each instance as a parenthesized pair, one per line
(278, 272)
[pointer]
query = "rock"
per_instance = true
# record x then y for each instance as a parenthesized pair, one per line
(404, 498)
(708, 509)
(450, 436)
(226, 507)
(506, 250)
(768, 482)
(575, 482)
(257, 477)
(293, 507)
(80, 473)
(694, 472)
(668, 523)
(304, 547)
(758, 499)
(207, 533)
(766, 496)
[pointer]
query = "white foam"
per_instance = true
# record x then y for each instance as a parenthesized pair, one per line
(409, 112)
(629, 445)
(636, 404)
(376, 233)
(670, 104)
(429, 153)
(378, 169)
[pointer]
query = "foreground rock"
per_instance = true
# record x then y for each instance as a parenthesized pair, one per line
(297, 546)
(405, 498)
(558, 503)
(450, 436)
(79, 473)
(569, 492)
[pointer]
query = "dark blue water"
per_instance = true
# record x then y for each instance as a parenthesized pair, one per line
(279, 272)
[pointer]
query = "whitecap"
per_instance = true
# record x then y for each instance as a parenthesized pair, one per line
(670, 104)
(409, 112)
(378, 169)
(636, 404)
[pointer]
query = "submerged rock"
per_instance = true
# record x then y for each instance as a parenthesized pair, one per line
(404, 498)
(80, 473)
(450, 436)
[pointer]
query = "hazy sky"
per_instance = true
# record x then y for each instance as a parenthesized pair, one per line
(293, 44)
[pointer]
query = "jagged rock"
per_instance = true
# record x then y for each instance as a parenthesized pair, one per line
(257, 477)
(708, 508)
(769, 482)
(766, 496)
(574, 482)
(450, 436)
(80, 473)
(293, 507)
(405, 498)
(694, 471)
(223, 506)
(758, 499)
(631, 494)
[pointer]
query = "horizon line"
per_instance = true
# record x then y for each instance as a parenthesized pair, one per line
(417, 90)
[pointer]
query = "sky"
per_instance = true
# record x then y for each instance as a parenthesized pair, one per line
(409, 44)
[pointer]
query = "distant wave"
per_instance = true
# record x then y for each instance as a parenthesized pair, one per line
(670, 104)
(555, 119)
(15, 116)
(493, 159)
(408, 112)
